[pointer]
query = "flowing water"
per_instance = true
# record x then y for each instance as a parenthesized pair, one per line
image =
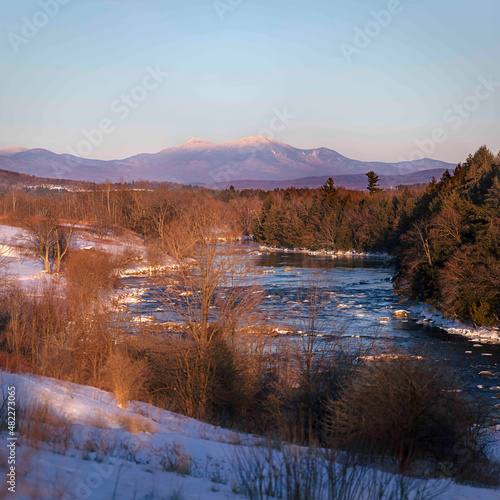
(358, 304)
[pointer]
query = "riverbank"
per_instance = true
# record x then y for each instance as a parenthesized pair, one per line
(328, 253)
(426, 314)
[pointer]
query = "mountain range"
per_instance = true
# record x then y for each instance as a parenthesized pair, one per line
(240, 162)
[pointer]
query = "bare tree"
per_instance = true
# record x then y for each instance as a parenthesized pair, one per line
(48, 238)
(4, 273)
(420, 234)
(330, 231)
(62, 238)
(209, 284)
(163, 205)
(210, 294)
(247, 212)
(449, 225)
(39, 235)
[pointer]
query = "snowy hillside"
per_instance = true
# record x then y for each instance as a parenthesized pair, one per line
(22, 264)
(94, 449)
(77, 443)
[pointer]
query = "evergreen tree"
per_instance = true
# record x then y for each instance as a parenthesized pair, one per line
(450, 242)
(373, 180)
(329, 190)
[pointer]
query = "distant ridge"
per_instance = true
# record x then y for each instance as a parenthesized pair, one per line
(9, 180)
(353, 181)
(203, 162)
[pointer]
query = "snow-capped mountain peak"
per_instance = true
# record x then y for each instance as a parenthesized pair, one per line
(12, 151)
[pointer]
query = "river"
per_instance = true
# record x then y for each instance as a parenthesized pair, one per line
(359, 292)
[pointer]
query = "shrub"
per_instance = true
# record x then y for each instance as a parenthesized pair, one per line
(173, 458)
(34, 320)
(125, 377)
(89, 272)
(407, 408)
(46, 333)
(14, 364)
(206, 384)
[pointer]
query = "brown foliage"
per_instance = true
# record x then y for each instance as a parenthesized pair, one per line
(405, 407)
(125, 377)
(47, 331)
(89, 273)
(15, 364)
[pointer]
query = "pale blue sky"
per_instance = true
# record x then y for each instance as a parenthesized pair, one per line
(229, 72)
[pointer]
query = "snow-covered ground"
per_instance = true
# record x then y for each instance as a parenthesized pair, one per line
(105, 457)
(454, 327)
(23, 265)
(97, 450)
(330, 253)
(19, 263)
(17, 259)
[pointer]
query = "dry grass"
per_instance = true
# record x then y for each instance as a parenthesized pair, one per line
(98, 420)
(173, 458)
(311, 473)
(39, 423)
(136, 424)
(229, 437)
(99, 445)
(125, 377)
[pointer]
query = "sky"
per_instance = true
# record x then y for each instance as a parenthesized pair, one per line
(386, 80)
